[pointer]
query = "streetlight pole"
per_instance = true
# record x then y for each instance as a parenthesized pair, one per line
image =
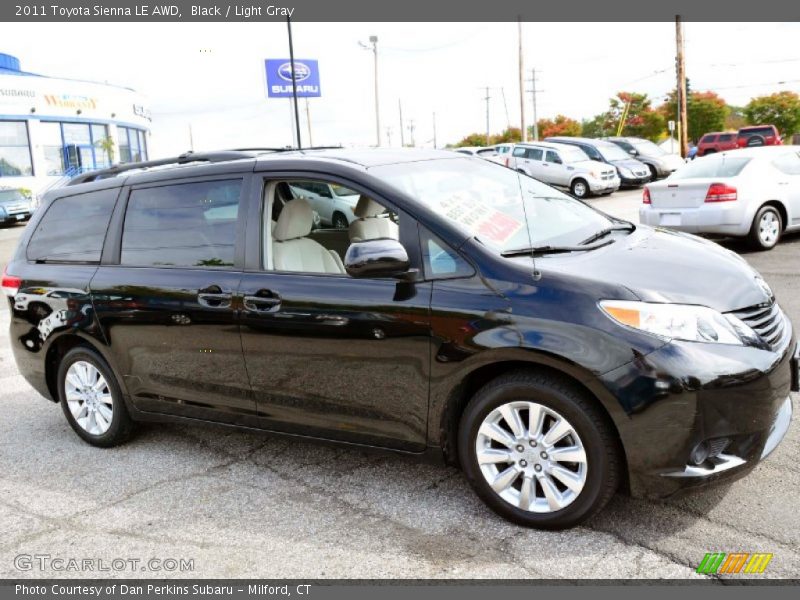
(374, 41)
(294, 84)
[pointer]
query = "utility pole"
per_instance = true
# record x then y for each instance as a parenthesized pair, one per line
(191, 138)
(524, 133)
(296, 112)
(389, 136)
(683, 125)
(534, 91)
(488, 135)
(434, 130)
(411, 132)
(505, 106)
(402, 138)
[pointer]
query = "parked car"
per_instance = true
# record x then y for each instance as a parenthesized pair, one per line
(716, 141)
(752, 192)
(499, 153)
(660, 162)
(470, 313)
(758, 135)
(565, 166)
(15, 206)
(469, 150)
(632, 173)
(333, 203)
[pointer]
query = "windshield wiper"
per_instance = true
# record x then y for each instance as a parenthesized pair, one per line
(604, 232)
(553, 249)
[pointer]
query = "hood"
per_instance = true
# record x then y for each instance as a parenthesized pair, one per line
(592, 165)
(630, 163)
(660, 265)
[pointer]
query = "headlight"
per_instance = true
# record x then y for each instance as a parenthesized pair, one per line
(625, 172)
(681, 322)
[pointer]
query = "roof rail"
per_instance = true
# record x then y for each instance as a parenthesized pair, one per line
(186, 158)
(287, 149)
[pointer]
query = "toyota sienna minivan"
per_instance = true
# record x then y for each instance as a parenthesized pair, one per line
(469, 312)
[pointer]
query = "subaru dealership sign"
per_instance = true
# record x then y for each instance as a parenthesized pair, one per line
(279, 78)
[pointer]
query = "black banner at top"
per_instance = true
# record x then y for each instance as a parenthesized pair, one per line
(598, 11)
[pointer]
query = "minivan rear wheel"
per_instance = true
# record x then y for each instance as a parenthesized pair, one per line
(538, 451)
(91, 399)
(766, 229)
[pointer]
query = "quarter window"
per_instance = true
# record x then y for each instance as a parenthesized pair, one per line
(187, 225)
(440, 261)
(73, 228)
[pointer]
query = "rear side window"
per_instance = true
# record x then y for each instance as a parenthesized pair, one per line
(707, 139)
(726, 137)
(535, 153)
(184, 225)
(73, 228)
(712, 167)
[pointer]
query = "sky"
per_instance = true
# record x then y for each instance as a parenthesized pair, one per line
(210, 77)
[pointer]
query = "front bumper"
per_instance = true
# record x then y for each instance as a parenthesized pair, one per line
(635, 181)
(686, 394)
(601, 186)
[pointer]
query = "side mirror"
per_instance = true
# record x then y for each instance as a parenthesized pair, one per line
(634, 152)
(376, 258)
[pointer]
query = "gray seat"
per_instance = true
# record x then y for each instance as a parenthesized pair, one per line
(370, 225)
(293, 250)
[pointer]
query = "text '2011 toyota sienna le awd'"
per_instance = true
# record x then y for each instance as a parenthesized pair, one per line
(467, 312)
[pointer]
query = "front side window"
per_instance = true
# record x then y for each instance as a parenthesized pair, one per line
(73, 228)
(726, 137)
(552, 157)
(503, 209)
(15, 152)
(184, 225)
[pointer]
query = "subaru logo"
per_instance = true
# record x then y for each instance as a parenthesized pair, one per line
(301, 71)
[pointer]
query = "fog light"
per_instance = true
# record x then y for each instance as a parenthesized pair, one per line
(700, 454)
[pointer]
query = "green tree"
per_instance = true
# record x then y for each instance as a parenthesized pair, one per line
(597, 127)
(781, 109)
(561, 126)
(508, 136)
(473, 139)
(640, 120)
(705, 111)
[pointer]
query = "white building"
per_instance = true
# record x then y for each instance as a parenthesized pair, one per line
(52, 127)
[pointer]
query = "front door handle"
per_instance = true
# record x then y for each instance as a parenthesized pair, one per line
(262, 301)
(214, 296)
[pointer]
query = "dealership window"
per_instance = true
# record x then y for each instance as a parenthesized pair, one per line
(15, 151)
(132, 144)
(71, 148)
(189, 225)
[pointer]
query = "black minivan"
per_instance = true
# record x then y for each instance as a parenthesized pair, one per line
(466, 312)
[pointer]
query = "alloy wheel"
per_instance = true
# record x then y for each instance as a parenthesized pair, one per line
(531, 456)
(768, 228)
(89, 397)
(579, 189)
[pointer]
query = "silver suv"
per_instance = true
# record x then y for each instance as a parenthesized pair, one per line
(565, 166)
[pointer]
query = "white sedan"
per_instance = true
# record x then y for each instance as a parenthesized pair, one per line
(751, 192)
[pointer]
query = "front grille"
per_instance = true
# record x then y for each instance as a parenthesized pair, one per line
(767, 320)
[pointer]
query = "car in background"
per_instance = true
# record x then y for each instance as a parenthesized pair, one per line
(469, 150)
(716, 141)
(752, 193)
(564, 166)
(499, 153)
(632, 173)
(660, 162)
(332, 202)
(758, 135)
(15, 206)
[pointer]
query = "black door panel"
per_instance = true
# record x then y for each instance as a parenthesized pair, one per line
(338, 358)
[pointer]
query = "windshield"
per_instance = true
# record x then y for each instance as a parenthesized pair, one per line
(340, 190)
(572, 154)
(11, 196)
(491, 203)
(611, 151)
(648, 147)
(711, 167)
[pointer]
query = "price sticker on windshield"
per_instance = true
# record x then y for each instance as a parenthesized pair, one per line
(487, 223)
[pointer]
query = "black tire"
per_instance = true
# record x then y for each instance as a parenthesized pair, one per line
(755, 140)
(653, 173)
(755, 238)
(340, 221)
(121, 425)
(580, 188)
(558, 394)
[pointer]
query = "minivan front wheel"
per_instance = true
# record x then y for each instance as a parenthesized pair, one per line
(91, 399)
(537, 451)
(579, 188)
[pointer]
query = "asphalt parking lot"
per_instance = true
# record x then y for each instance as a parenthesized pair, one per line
(247, 505)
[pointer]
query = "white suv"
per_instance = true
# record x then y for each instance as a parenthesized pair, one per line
(564, 166)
